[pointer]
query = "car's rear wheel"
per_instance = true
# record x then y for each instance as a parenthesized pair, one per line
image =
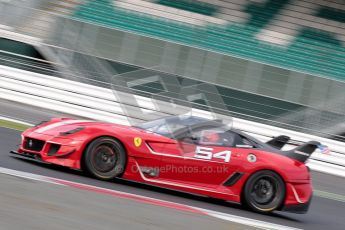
(105, 158)
(264, 191)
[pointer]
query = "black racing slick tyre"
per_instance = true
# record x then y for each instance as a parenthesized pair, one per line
(264, 192)
(104, 158)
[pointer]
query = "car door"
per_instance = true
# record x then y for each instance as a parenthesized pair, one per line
(201, 160)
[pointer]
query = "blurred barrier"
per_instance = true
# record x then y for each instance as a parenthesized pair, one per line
(103, 104)
(91, 53)
(52, 30)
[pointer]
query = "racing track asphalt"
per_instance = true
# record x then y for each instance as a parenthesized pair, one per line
(30, 205)
(323, 214)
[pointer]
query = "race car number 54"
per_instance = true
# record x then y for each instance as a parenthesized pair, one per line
(207, 154)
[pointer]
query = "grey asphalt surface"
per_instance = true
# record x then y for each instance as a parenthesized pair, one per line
(323, 214)
(27, 204)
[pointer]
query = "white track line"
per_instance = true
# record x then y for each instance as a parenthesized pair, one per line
(219, 215)
(15, 120)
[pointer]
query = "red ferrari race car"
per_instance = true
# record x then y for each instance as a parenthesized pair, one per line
(184, 153)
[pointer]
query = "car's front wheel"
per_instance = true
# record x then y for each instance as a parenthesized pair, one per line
(105, 158)
(264, 191)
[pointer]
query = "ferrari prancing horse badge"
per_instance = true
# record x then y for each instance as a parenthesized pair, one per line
(137, 141)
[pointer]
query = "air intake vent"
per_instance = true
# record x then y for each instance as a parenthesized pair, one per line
(33, 144)
(53, 149)
(233, 179)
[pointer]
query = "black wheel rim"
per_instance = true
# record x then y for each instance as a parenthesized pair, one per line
(264, 190)
(104, 158)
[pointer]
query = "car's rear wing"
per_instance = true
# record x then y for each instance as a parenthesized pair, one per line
(302, 152)
(278, 142)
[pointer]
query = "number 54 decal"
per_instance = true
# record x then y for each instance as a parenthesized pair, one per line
(208, 154)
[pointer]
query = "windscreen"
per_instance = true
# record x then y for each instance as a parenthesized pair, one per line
(171, 125)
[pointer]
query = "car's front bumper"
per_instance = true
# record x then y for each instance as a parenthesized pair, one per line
(28, 156)
(50, 149)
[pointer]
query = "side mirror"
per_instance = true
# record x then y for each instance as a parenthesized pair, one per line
(190, 139)
(194, 138)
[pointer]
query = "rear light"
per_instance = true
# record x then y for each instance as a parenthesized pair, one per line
(309, 174)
